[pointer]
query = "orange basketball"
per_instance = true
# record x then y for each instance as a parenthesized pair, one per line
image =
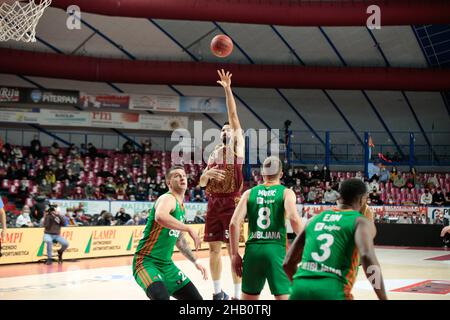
(221, 46)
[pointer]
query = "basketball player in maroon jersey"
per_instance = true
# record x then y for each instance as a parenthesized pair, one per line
(223, 180)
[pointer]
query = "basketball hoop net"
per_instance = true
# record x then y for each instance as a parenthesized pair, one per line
(18, 20)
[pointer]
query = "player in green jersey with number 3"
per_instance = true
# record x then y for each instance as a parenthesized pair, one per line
(153, 267)
(330, 249)
(267, 206)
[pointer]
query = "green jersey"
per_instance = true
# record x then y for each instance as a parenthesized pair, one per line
(266, 216)
(330, 249)
(158, 242)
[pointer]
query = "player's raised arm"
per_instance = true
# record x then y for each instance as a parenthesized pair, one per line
(369, 261)
(294, 255)
(368, 213)
(235, 227)
(233, 119)
(290, 207)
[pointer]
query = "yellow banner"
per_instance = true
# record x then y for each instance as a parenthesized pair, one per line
(26, 244)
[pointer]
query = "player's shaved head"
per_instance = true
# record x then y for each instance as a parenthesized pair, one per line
(352, 190)
(171, 170)
(272, 168)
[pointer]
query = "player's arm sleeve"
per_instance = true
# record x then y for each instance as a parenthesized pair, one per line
(164, 206)
(369, 261)
(236, 221)
(185, 248)
(290, 207)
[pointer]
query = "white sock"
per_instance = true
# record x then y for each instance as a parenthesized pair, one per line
(217, 286)
(237, 290)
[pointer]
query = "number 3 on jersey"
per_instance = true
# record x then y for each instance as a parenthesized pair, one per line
(263, 221)
(329, 239)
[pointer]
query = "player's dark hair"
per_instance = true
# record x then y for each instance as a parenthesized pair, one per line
(169, 172)
(351, 191)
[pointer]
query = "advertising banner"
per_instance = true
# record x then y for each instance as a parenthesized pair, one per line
(203, 105)
(64, 118)
(164, 123)
(50, 96)
(90, 207)
(119, 101)
(19, 117)
(131, 207)
(116, 120)
(26, 244)
(8, 94)
(434, 212)
(155, 103)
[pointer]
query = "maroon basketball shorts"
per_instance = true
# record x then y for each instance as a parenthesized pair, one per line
(218, 217)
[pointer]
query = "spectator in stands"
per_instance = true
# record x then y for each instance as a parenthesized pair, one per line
(61, 173)
(73, 151)
(384, 175)
(17, 154)
(426, 198)
(23, 190)
(326, 175)
(359, 176)
(122, 217)
(121, 194)
(92, 151)
(394, 174)
(67, 189)
(197, 195)
(54, 149)
(98, 194)
(141, 194)
(36, 147)
(45, 188)
(128, 147)
(50, 178)
(80, 217)
(440, 219)
(404, 219)
(331, 196)
(21, 172)
(76, 165)
(316, 175)
(106, 219)
(390, 201)
(289, 178)
(199, 217)
(438, 198)
(89, 191)
(78, 193)
(121, 171)
(423, 219)
(136, 161)
(373, 171)
(399, 181)
(146, 146)
(433, 182)
(374, 197)
(53, 222)
(374, 184)
(24, 220)
(72, 177)
(135, 221)
(60, 158)
(4, 155)
(311, 195)
(297, 188)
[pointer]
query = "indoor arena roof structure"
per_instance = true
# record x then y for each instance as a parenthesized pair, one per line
(313, 62)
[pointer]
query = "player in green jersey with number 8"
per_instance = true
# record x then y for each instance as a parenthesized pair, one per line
(267, 206)
(330, 249)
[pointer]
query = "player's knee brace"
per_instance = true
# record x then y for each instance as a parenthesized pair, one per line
(188, 292)
(157, 291)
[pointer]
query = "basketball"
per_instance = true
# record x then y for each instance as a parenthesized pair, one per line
(221, 46)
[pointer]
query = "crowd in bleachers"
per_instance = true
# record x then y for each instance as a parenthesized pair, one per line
(320, 186)
(33, 173)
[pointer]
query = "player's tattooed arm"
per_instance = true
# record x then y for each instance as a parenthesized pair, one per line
(185, 248)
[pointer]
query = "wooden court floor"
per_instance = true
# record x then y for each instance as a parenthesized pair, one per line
(408, 274)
